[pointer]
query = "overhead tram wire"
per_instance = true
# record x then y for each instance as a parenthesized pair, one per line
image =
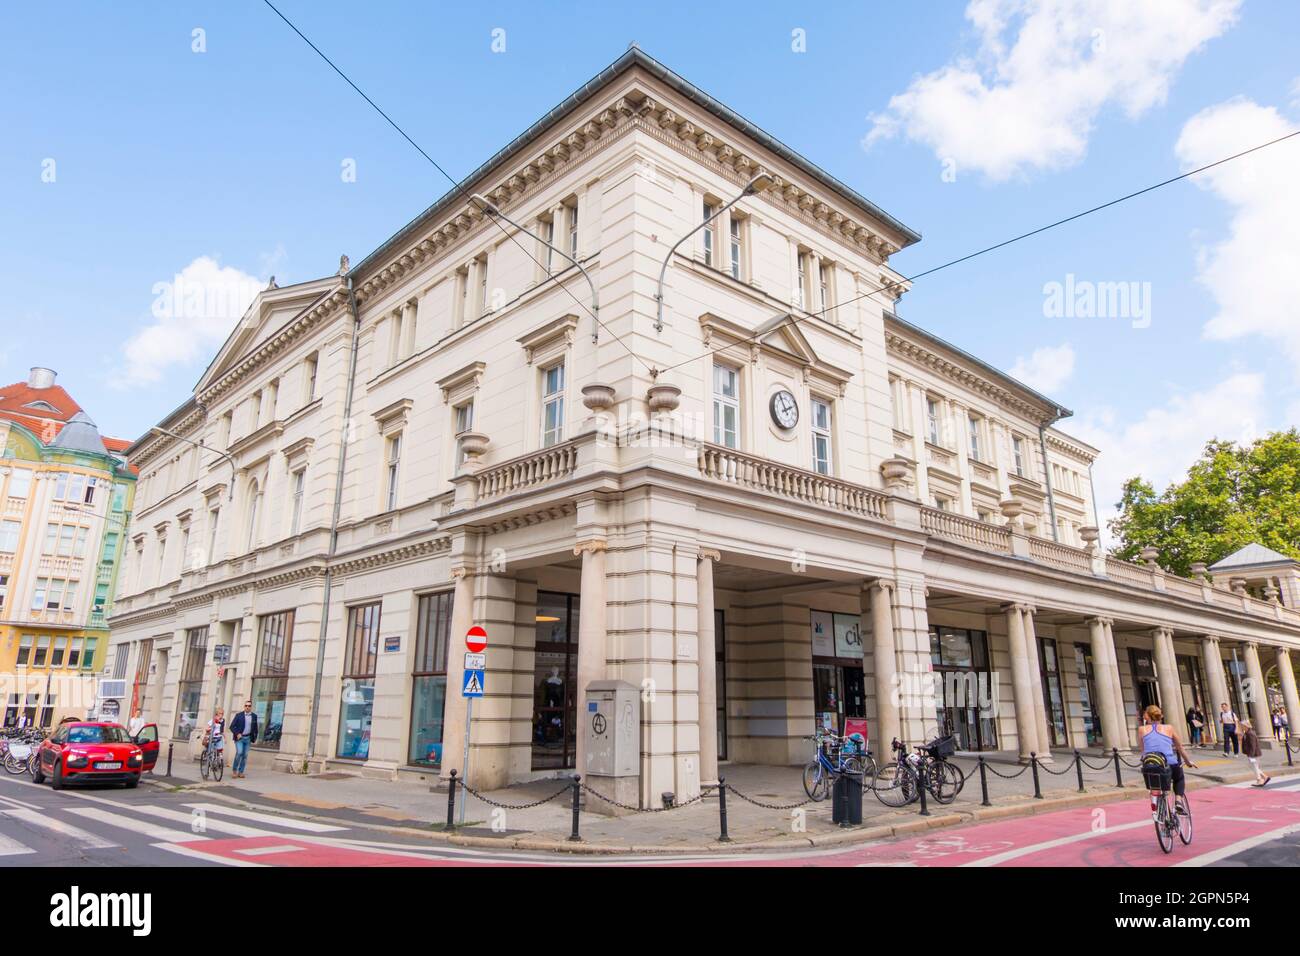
(456, 185)
(795, 320)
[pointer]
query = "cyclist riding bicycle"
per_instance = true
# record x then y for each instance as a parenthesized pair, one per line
(215, 735)
(1160, 738)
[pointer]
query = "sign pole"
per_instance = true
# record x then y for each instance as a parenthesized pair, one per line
(469, 713)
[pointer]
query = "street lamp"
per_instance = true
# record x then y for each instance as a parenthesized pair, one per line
(198, 444)
(490, 208)
(760, 182)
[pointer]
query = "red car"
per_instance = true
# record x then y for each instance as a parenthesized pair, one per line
(96, 752)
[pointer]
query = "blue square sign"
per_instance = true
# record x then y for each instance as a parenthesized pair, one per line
(473, 684)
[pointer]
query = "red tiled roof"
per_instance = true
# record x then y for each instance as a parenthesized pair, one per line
(16, 401)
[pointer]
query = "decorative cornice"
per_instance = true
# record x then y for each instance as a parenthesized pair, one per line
(470, 374)
(561, 329)
(1074, 449)
(398, 555)
(590, 546)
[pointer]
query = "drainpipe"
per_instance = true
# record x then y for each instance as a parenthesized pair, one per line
(1047, 477)
(334, 519)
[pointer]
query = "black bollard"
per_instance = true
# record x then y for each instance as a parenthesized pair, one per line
(1119, 781)
(170, 747)
(577, 791)
(984, 784)
(451, 802)
(1286, 742)
(722, 810)
(1033, 765)
(920, 776)
(1078, 769)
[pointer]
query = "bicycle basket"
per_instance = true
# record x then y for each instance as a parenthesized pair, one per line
(20, 751)
(941, 747)
(1156, 772)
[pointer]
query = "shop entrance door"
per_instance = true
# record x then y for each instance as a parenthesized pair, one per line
(555, 681)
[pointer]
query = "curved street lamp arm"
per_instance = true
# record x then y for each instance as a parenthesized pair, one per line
(198, 444)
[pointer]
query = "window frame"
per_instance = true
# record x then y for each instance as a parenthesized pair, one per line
(553, 398)
(822, 464)
(722, 402)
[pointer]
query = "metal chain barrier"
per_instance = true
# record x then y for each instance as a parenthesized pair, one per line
(514, 806)
(1057, 773)
(704, 791)
(766, 806)
(1005, 776)
(1103, 768)
(1124, 761)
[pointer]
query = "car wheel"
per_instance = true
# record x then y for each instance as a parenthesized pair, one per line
(37, 775)
(133, 782)
(56, 778)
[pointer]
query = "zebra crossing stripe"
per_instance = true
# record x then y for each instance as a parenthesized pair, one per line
(39, 818)
(10, 847)
(269, 818)
(151, 830)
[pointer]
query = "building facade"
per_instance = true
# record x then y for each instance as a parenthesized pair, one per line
(67, 501)
(763, 500)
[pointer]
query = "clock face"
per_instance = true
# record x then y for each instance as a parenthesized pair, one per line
(785, 411)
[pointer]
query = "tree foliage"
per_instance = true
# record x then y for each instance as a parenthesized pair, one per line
(1233, 495)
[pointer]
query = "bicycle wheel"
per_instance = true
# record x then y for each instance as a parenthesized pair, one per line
(1183, 813)
(14, 765)
(1164, 828)
(814, 781)
(944, 781)
(203, 766)
(895, 785)
(33, 761)
(218, 765)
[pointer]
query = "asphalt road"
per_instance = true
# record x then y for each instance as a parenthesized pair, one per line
(150, 826)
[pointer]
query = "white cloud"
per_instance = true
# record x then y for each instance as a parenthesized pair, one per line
(1047, 369)
(1161, 443)
(193, 313)
(1043, 70)
(1251, 272)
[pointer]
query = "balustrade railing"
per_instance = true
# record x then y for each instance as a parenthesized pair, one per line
(528, 471)
(785, 481)
(1060, 555)
(959, 528)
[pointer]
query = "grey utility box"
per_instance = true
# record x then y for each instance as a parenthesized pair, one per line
(611, 719)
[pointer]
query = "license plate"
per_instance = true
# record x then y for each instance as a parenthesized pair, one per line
(108, 765)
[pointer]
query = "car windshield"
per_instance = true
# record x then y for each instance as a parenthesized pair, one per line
(110, 734)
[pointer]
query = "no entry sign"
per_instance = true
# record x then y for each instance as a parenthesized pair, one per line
(476, 639)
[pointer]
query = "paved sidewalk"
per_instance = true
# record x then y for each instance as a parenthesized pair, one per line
(766, 806)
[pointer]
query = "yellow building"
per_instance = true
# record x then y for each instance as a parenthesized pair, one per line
(65, 506)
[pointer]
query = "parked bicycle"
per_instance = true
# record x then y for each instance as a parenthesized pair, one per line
(1171, 814)
(834, 756)
(898, 783)
(19, 748)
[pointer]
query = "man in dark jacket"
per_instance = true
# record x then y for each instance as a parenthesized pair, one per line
(244, 729)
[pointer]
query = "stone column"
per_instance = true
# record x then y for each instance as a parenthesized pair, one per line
(708, 651)
(1022, 683)
(1258, 694)
(1286, 678)
(1044, 745)
(1171, 692)
(1126, 720)
(878, 595)
(591, 632)
(1102, 665)
(454, 709)
(1212, 657)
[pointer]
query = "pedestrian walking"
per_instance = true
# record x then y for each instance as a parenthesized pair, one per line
(1250, 747)
(1195, 724)
(1277, 723)
(1228, 721)
(244, 730)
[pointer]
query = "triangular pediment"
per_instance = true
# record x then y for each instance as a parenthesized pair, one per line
(787, 341)
(269, 312)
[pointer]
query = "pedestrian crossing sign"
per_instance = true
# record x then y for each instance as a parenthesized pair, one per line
(473, 684)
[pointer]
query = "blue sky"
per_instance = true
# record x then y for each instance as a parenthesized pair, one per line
(988, 119)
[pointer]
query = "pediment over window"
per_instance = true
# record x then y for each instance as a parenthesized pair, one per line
(462, 381)
(392, 418)
(785, 342)
(555, 336)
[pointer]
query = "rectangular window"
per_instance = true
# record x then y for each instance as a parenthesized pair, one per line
(821, 436)
(710, 211)
(66, 535)
(932, 420)
(60, 486)
(726, 406)
(464, 422)
(9, 535)
(548, 250)
(553, 405)
(824, 284)
(120, 661)
(395, 337)
(101, 597)
(429, 687)
(255, 411)
(51, 545)
(190, 687)
(573, 230)
(974, 425)
(20, 483)
(358, 700)
(1018, 452)
(299, 486)
(88, 658)
(25, 650)
(271, 677)
(4, 589)
(393, 464)
(74, 653)
(119, 496)
(735, 246)
(79, 545)
(313, 366)
(482, 287)
(801, 289)
(76, 486)
(42, 651)
(91, 485)
(60, 649)
(38, 594)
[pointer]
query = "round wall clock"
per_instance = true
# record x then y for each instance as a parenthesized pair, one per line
(785, 410)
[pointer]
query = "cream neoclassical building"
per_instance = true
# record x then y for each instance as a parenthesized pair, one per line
(773, 506)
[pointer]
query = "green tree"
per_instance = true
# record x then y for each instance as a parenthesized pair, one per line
(1233, 495)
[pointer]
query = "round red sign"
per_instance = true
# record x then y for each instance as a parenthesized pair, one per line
(476, 639)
